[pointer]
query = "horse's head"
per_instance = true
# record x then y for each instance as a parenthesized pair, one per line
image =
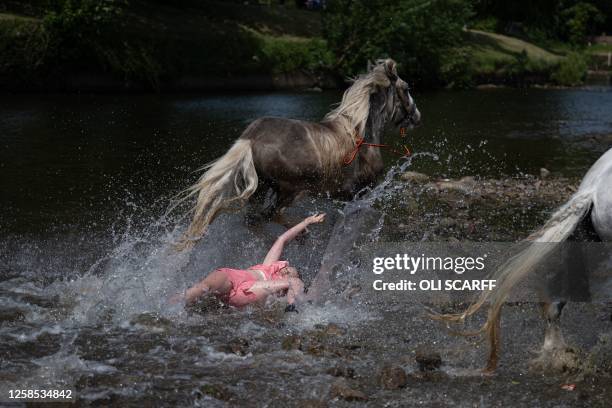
(374, 100)
(400, 107)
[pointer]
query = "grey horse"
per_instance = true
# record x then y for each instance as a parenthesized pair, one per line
(587, 216)
(284, 157)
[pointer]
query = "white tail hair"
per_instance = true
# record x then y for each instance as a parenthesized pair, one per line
(558, 228)
(229, 180)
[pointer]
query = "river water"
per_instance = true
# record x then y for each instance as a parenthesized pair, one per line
(86, 266)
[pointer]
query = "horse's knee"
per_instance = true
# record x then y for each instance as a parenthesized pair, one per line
(552, 310)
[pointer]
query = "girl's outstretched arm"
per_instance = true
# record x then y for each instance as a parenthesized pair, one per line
(277, 249)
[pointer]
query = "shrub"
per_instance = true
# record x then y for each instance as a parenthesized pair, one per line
(571, 70)
(287, 54)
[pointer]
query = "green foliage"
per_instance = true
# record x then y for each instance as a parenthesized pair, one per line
(571, 70)
(80, 26)
(85, 34)
(159, 41)
(579, 19)
(287, 54)
(420, 35)
(24, 45)
(456, 69)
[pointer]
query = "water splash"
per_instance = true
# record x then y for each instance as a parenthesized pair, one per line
(359, 225)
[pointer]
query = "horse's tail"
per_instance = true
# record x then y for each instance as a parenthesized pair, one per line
(229, 180)
(542, 243)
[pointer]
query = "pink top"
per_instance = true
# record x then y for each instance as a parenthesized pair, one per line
(271, 271)
(242, 280)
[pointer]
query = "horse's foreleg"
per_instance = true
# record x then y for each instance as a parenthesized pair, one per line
(270, 203)
(285, 197)
(571, 282)
(553, 338)
(264, 203)
(555, 355)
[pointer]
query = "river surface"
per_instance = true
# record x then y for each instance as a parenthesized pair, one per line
(86, 266)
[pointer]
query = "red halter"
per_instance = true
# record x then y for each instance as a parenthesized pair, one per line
(360, 142)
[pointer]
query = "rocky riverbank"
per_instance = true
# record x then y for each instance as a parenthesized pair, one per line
(473, 209)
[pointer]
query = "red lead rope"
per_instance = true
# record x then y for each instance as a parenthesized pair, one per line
(359, 142)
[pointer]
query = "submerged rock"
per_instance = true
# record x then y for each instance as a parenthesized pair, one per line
(393, 377)
(334, 330)
(331, 329)
(342, 390)
(315, 349)
(293, 342)
(428, 359)
(341, 371)
(599, 361)
(415, 177)
(465, 185)
(544, 173)
(447, 222)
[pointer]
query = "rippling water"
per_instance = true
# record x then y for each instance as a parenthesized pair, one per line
(86, 266)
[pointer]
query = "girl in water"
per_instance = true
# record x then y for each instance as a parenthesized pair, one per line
(240, 287)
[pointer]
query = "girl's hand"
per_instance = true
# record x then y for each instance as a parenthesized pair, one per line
(314, 219)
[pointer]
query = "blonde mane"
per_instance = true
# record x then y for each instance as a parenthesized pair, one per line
(352, 113)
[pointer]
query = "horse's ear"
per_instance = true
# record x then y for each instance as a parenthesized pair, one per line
(370, 66)
(391, 69)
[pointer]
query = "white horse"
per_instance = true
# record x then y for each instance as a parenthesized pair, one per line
(589, 208)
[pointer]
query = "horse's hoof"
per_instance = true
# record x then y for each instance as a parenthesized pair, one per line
(557, 360)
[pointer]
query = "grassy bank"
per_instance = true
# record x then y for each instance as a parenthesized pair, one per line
(503, 59)
(162, 44)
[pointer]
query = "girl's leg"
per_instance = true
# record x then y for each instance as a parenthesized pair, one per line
(217, 283)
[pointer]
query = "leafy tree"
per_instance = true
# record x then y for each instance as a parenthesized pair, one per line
(422, 36)
(580, 18)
